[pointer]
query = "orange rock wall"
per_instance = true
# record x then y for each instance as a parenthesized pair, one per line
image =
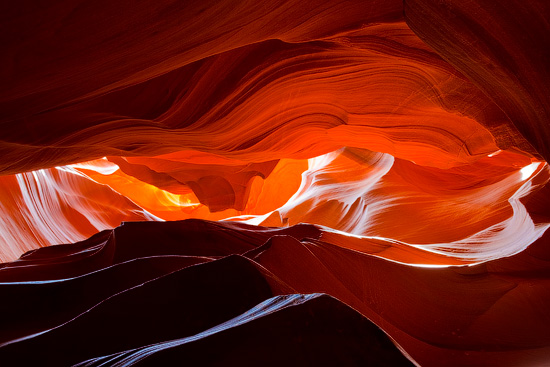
(412, 135)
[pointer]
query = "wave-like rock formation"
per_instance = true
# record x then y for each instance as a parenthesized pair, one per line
(251, 85)
(344, 183)
(151, 292)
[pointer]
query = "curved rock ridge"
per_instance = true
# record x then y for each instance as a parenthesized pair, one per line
(470, 213)
(466, 214)
(54, 206)
(197, 285)
(296, 92)
(312, 319)
(70, 203)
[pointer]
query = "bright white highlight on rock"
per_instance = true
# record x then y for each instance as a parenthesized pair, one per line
(527, 171)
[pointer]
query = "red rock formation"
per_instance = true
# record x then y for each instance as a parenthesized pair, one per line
(502, 48)
(412, 136)
(458, 316)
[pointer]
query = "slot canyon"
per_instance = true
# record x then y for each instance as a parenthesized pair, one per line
(275, 183)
